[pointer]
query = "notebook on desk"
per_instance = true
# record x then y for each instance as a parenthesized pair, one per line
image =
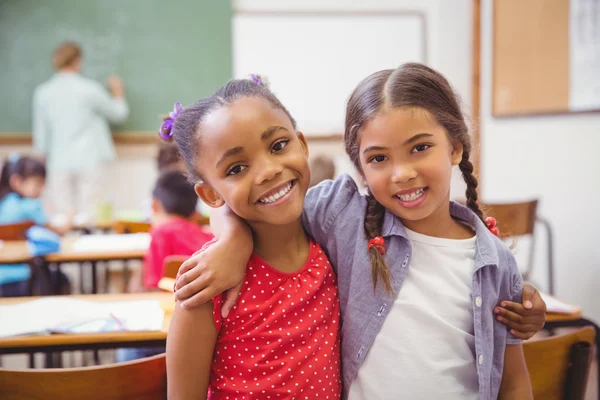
(67, 315)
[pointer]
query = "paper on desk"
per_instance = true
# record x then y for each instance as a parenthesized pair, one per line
(65, 315)
(112, 242)
(554, 305)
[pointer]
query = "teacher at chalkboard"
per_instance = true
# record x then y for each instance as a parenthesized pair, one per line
(71, 116)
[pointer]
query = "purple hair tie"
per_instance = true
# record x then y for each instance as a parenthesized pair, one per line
(255, 79)
(166, 129)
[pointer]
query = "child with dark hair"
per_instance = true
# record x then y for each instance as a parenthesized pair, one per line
(242, 148)
(173, 233)
(22, 182)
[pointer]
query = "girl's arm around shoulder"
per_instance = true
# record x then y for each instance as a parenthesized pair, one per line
(521, 308)
(325, 202)
(515, 378)
(190, 346)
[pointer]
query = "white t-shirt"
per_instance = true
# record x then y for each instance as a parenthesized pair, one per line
(426, 347)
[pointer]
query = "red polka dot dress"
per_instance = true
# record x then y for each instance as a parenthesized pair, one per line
(282, 339)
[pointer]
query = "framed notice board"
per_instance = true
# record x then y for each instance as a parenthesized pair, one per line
(546, 57)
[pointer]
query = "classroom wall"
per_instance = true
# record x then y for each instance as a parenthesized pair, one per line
(130, 178)
(555, 159)
(449, 36)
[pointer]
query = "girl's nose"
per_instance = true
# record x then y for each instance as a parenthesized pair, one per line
(403, 173)
(269, 170)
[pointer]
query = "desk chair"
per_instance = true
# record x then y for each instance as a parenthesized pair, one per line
(123, 227)
(200, 219)
(15, 231)
(144, 379)
(171, 266)
(131, 227)
(519, 219)
(559, 365)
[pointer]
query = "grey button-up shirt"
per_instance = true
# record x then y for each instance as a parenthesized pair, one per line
(334, 216)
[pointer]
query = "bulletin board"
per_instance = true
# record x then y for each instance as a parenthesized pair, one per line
(546, 57)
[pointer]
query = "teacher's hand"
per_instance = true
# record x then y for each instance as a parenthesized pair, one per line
(115, 85)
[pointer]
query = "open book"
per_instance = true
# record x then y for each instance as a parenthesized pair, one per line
(67, 315)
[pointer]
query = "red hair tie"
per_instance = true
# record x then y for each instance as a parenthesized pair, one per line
(491, 224)
(378, 243)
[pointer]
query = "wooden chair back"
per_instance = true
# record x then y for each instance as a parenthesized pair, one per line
(15, 231)
(200, 219)
(144, 379)
(548, 362)
(131, 227)
(171, 266)
(514, 219)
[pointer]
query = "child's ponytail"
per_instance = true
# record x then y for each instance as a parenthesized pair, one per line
(373, 223)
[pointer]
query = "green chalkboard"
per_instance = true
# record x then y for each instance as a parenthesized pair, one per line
(164, 51)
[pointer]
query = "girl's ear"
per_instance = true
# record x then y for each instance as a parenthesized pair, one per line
(303, 142)
(208, 195)
(156, 206)
(457, 154)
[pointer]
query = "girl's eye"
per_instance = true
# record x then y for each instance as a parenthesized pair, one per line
(378, 159)
(236, 169)
(277, 147)
(420, 147)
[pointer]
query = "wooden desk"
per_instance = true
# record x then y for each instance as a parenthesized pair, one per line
(558, 317)
(15, 252)
(67, 254)
(91, 341)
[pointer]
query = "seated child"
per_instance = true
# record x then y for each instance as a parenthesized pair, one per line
(168, 158)
(22, 182)
(173, 203)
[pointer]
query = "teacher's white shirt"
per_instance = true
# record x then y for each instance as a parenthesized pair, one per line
(71, 116)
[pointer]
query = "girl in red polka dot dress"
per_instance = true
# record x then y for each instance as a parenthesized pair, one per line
(282, 339)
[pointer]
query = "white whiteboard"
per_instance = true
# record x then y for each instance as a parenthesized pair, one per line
(314, 61)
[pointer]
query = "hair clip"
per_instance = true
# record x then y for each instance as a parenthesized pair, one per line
(491, 225)
(167, 126)
(255, 79)
(378, 243)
